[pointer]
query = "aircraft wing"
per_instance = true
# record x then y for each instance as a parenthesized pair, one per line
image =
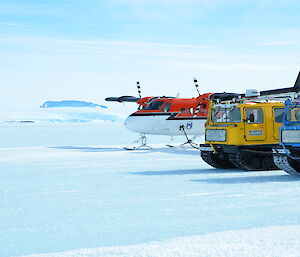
(121, 99)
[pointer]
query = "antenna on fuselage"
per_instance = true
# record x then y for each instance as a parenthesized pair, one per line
(139, 89)
(196, 85)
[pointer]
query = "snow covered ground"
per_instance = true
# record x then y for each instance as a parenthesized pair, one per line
(72, 190)
(262, 242)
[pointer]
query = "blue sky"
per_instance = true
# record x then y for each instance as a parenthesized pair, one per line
(88, 49)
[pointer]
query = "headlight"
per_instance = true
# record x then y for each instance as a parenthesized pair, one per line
(215, 135)
(290, 136)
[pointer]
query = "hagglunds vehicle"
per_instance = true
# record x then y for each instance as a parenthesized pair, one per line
(287, 154)
(242, 129)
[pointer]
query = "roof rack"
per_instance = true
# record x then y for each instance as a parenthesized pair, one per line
(254, 95)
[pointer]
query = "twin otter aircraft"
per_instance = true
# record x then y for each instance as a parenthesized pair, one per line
(164, 115)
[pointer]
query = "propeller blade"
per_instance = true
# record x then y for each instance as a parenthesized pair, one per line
(196, 85)
(139, 89)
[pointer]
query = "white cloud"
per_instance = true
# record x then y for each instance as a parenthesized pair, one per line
(67, 69)
(167, 56)
(10, 24)
(281, 43)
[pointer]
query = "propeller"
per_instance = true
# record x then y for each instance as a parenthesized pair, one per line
(126, 98)
(139, 89)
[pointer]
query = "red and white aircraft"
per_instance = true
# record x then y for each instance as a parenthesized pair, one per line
(163, 115)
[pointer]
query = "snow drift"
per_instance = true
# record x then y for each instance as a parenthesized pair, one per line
(260, 242)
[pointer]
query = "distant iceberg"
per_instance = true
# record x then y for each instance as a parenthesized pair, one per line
(57, 115)
(70, 103)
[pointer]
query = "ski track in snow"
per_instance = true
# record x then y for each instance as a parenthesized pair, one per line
(73, 186)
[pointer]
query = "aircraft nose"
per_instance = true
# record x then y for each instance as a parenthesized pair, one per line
(131, 123)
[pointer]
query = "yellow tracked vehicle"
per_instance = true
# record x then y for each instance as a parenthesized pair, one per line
(242, 129)
(242, 134)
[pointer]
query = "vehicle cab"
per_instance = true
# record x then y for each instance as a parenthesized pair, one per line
(240, 133)
(287, 154)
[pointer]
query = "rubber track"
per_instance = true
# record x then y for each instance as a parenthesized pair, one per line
(235, 159)
(241, 162)
(282, 162)
(215, 161)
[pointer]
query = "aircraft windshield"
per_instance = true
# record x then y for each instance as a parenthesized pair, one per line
(231, 114)
(293, 114)
(154, 105)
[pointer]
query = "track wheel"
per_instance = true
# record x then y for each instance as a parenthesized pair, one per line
(217, 160)
(287, 164)
(248, 160)
(236, 161)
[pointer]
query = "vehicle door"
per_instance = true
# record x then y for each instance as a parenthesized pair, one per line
(255, 129)
(278, 116)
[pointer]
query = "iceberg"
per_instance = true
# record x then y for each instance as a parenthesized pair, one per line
(70, 103)
(58, 115)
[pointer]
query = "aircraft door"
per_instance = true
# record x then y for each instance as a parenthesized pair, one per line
(255, 129)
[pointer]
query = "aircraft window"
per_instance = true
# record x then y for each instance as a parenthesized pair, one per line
(254, 115)
(183, 110)
(167, 107)
(155, 105)
(278, 114)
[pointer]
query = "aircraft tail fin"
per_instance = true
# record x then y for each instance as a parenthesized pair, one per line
(297, 83)
(295, 88)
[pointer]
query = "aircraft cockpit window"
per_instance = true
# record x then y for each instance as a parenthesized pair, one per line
(167, 107)
(155, 105)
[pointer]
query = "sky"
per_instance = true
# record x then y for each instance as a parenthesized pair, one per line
(90, 49)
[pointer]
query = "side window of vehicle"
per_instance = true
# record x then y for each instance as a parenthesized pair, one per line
(183, 110)
(294, 114)
(254, 116)
(167, 107)
(278, 114)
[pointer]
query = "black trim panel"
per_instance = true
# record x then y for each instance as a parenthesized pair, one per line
(173, 115)
(153, 114)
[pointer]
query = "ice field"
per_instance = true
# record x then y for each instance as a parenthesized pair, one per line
(70, 189)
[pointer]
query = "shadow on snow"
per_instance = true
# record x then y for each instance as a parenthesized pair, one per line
(185, 172)
(247, 179)
(118, 149)
(173, 150)
(88, 149)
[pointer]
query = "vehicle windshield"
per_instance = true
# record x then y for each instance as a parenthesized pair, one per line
(221, 114)
(154, 105)
(293, 113)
